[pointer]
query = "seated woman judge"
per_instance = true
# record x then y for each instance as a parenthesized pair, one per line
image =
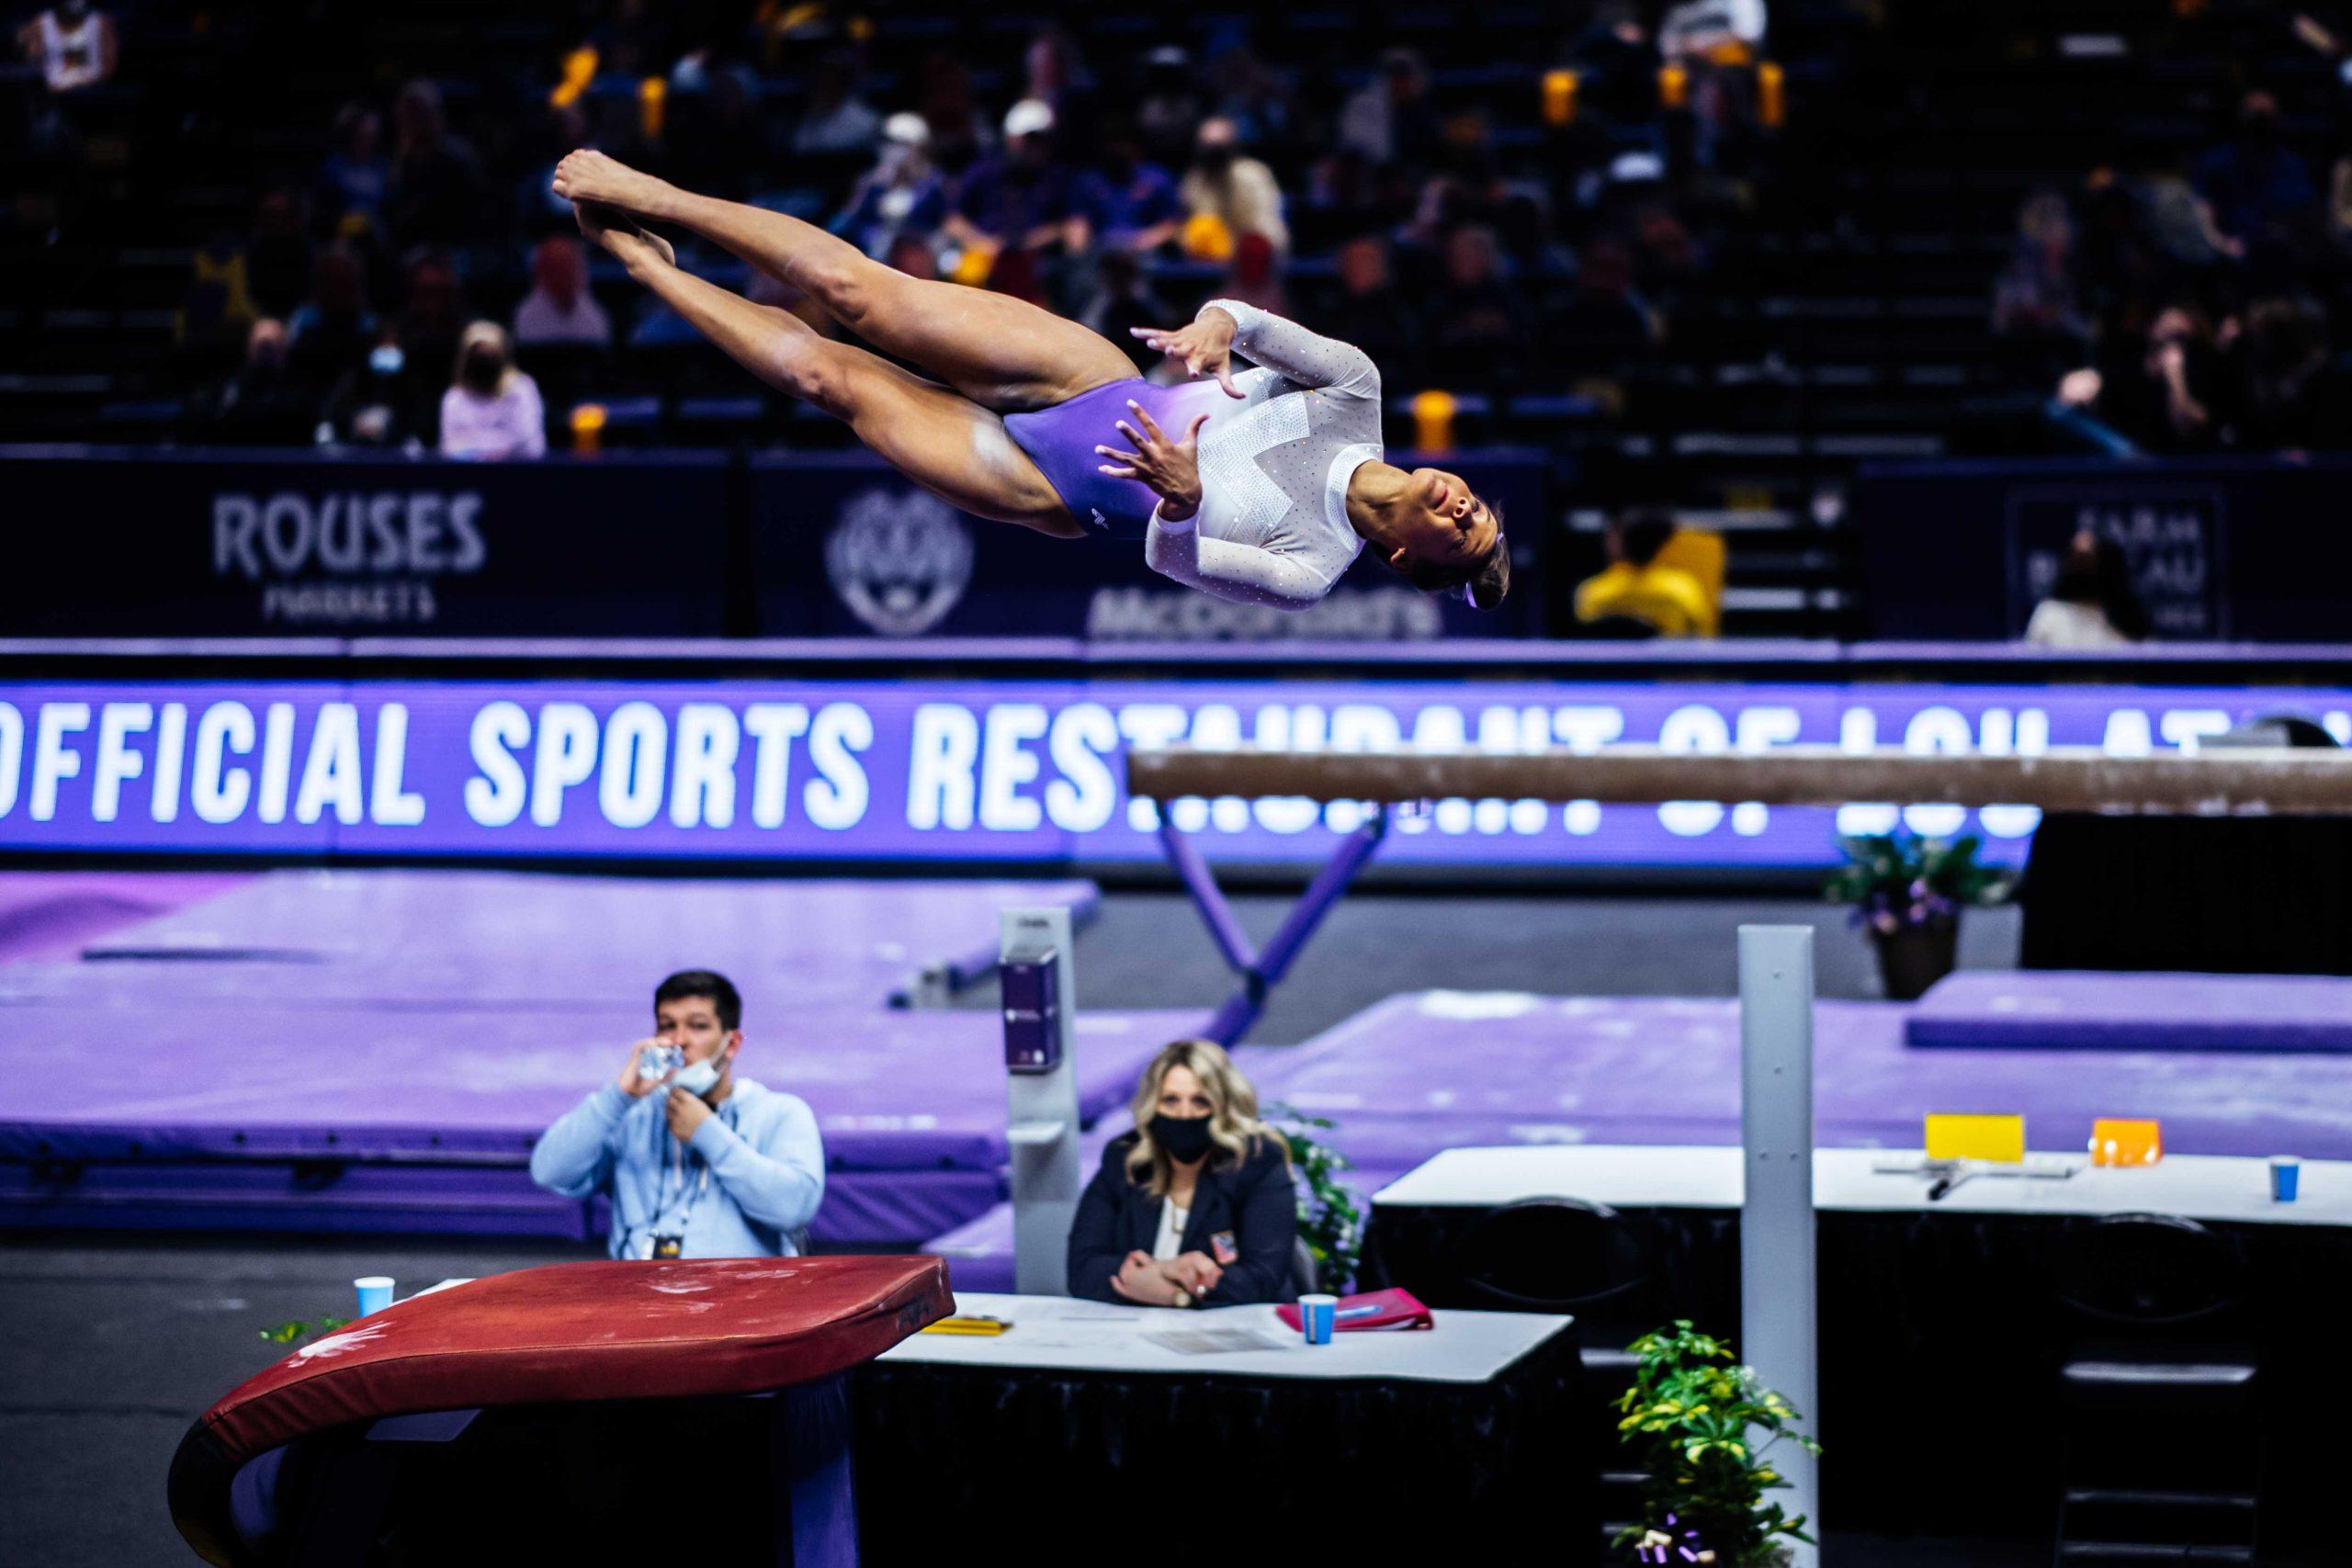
(1194, 1208)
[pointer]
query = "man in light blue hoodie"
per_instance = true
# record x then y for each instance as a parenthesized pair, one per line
(696, 1162)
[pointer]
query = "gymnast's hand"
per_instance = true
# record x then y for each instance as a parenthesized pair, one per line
(634, 1084)
(1206, 346)
(1172, 467)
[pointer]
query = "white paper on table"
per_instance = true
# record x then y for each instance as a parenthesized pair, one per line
(1213, 1341)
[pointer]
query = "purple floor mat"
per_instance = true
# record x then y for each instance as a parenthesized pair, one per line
(377, 1050)
(409, 939)
(892, 1090)
(1421, 1073)
(52, 914)
(2060, 1010)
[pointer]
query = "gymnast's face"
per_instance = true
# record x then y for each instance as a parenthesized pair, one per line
(692, 1025)
(1444, 524)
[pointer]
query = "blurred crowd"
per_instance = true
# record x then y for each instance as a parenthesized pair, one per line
(1467, 229)
(2199, 306)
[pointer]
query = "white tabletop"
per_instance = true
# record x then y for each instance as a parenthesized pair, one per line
(2197, 1187)
(1062, 1334)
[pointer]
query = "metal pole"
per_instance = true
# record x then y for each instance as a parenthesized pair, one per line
(1040, 1041)
(1776, 1222)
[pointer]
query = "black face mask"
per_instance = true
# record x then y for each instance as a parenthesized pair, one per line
(1186, 1138)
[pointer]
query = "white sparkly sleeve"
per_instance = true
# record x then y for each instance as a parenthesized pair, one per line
(1290, 351)
(1242, 573)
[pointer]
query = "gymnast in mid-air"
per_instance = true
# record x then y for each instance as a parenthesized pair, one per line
(1259, 486)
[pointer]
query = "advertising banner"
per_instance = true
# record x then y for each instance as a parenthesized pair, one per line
(935, 773)
(157, 543)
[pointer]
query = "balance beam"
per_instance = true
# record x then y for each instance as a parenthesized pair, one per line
(2233, 781)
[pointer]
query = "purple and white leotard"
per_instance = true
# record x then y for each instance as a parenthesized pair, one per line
(1273, 525)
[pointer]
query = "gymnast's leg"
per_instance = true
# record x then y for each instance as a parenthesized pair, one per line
(1001, 353)
(944, 442)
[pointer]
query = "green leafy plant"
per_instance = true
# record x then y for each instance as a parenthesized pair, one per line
(1704, 1427)
(297, 1329)
(1899, 878)
(1330, 1216)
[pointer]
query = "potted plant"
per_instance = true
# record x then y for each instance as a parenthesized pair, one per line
(1704, 1428)
(1907, 892)
(1330, 1216)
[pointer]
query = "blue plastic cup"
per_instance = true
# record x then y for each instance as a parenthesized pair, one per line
(2286, 1176)
(375, 1292)
(1316, 1316)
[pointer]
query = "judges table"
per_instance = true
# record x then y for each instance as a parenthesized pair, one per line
(1943, 1320)
(1084, 1424)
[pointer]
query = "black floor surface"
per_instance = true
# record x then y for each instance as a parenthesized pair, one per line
(114, 1345)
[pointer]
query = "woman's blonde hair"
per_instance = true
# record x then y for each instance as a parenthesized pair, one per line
(1234, 1127)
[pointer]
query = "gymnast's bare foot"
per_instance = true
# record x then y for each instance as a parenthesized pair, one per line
(621, 234)
(586, 174)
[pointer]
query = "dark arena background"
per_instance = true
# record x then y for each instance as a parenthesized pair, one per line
(1910, 751)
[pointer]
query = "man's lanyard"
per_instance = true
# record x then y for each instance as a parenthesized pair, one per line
(669, 1242)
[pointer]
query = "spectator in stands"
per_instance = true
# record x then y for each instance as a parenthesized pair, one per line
(2254, 181)
(437, 187)
(434, 313)
(354, 178)
(1637, 595)
(2034, 295)
(1603, 326)
(1021, 203)
(2093, 604)
(332, 331)
(2163, 392)
(492, 410)
(1167, 106)
(216, 311)
(837, 119)
(277, 258)
(1254, 278)
(2339, 206)
(2289, 395)
(1712, 30)
(382, 402)
(1055, 74)
(695, 1162)
(945, 99)
(1194, 1208)
(1480, 327)
(559, 308)
(1245, 90)
(1123, 301)
(720, 134)
(1130, 202)
(1366, 307)
(1389, 120)
(72, 45)
(901, 195)
(262, 403)
(1237, 189)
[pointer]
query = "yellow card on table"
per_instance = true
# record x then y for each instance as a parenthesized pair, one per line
(2115, 1141)
(979, 1326)
(1999, 1139)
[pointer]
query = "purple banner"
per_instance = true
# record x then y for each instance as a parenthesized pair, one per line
(1027, 770)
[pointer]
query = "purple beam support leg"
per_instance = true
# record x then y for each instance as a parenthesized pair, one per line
(1207, 896)
(1261, 971)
